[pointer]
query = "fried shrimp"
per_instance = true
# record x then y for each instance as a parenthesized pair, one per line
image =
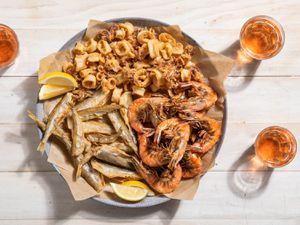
(165, 182)
(140, 110)
(199, 97)
(191, 165)
(152, 155)
(206, 132)
(179, 133)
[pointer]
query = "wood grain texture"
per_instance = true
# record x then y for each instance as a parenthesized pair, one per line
(19, 143)
(201, 14)
(221, 195)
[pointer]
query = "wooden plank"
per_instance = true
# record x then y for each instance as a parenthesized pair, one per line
(263, 100)
(189, 13)
(250, 100)
(32, 196)
(19, 153)
(35, 45)
(47, 41)
(237, 151)
(18, 95)
(21, 140)
(150, 222)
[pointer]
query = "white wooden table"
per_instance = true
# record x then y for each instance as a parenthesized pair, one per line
(31, 192)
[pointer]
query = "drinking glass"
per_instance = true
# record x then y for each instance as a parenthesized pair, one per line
(9, 46)
(261, 37)
(275, 146)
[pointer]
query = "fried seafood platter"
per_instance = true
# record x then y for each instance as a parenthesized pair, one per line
(138, 111)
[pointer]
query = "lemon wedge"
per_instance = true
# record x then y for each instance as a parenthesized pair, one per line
(49, 91)
(59, 78)
(136, 183)
(132, 194)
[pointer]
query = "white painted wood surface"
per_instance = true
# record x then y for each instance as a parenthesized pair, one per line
(33, 193)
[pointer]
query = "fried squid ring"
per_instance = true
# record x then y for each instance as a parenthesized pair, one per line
(93, 57)
(139, 91)
(120, 34)
(157, 78)
(103, 47)
(141, 78)
(121, 48)
(167, 38)
(109, 84)
(84, 73)
(100, 76)
(79, 49)
(127, 27)
(91, 45)
(166, 50)
(89, 82)
(112, 64)
(117, 92)
(69, 68)
(178, 49)
(144, 36)
(80, 62)
(153, 48)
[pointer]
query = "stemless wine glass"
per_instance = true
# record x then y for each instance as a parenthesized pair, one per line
(9, 46)
(261, 37)
(275, 146)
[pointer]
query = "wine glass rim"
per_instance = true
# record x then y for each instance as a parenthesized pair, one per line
(292, 139)
(273, 22)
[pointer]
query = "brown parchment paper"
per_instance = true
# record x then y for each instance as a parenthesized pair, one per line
(215, 67)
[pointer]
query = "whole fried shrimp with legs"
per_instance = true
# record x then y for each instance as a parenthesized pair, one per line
(205, 133)
(140, 111)
(191, 165)
(165, 182)
(151, 154)
(179, 132)
(199, 96)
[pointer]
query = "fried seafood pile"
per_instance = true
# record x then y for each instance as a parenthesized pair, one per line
(135, 84)
(136, 59)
